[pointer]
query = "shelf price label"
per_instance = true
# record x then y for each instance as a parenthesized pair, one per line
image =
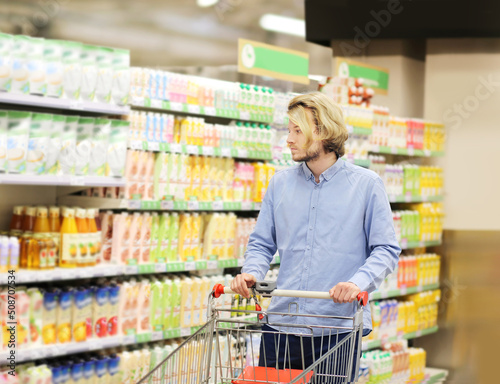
(176, 148)
(134, 204)
(212, 264)
(174, 106)
(208, 151)
(153, 146)
(156, 103)
(185, 332)
(242, 153)
(218, 205)
(167, 204)
(157, 335)
(210, 111)
(192, 150)
(193, 205)
(244, 115)
(226, 152)
(160, 267)
(246, 206)
(190, 266)
(194, 109)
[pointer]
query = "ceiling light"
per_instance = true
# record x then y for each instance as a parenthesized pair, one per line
(283, 24)
(206, 3)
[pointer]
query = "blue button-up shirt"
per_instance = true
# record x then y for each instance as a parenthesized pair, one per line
(337, 230)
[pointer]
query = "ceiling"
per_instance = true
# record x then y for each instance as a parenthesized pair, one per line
(161, 33)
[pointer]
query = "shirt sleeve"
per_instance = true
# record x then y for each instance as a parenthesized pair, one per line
(262, 243)
(381, 238)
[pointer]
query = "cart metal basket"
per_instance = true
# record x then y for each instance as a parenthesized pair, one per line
(235, 349)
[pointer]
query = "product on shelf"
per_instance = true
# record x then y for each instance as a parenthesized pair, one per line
(172, 176)
(422, 222)
(357, 147)
(177, 88)
(46, 144)
(395, 363)
(347, 90)
(408, 180)
(64, 69)
(411, 271)
(393, 318)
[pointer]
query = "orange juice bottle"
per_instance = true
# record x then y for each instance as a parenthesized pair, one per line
(94, 236)
(40, 245)
(68, 250)
(55, 230)
(41, 221)
(83, 258)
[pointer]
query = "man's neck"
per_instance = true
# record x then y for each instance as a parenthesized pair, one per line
(321, 164)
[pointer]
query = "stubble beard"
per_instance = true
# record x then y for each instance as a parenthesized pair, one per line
(309, 156)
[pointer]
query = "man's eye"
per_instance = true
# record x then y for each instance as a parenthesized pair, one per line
(298, 131)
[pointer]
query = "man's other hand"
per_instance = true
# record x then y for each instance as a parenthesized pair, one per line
(344, 292)
(242, 282)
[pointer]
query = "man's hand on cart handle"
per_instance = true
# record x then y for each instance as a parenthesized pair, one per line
(241, 283)
(345, 293)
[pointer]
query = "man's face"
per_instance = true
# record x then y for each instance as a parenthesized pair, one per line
(296, 140)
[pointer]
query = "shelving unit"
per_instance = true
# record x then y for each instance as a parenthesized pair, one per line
(405, 151)
(379, 343)
(49, 180)
(379, 295)
(414, 199)
(62, 104)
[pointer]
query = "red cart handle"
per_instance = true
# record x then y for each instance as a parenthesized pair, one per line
(219, 289)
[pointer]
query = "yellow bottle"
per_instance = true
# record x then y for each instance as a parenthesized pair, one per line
(68, 251)
(82, 226)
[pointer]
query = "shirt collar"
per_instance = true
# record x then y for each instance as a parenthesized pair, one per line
(328, 174)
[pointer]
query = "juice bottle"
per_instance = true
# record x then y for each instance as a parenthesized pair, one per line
(29, 220)
(37, 252)
(68, 249)
(41, 221)
(83, 258)
(16, 223)
(94, 237)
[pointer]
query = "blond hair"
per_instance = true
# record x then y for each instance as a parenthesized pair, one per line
(328, 120)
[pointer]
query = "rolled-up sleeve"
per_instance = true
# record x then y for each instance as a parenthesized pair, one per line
(262, 243)
(383, 246)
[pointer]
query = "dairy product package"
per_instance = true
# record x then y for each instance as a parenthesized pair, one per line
(99, 146)
(52, 165)
(4, 122)
(67, 157)
(36, 67)
(83, 145)
(20, 74)
(6, 42)
(104, 61)
(117, 148)
(121, 77)
(88, 58)
(17, 140)
(54, 70)
(72, 78)
(38, 144)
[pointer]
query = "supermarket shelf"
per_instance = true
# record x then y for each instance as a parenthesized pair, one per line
(168, 106)
(378, 295)
(358, 130)
(91, 181)
(360, 162)
(413, 198)
(53, 103)
(413, 335)
(164, 205)
(200, 150)
(109, 270)
(418, 244)
(434, 376)
(47, 351)
(405, 151)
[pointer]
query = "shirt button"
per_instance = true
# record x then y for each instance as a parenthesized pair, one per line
(308, 248)
(314, 207)
(316, 187)
(310, 228)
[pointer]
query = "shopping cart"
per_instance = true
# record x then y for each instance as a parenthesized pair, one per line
(239, 346)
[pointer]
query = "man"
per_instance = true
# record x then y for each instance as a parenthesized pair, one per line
(331, 223)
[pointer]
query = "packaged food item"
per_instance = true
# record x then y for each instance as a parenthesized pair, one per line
(72, 78)
(157, 309)
(64, 309)
(104, 61)
(135, 239)
(113, 309)
(83, 251)
(4, 122)
(144, 304)
(117, 149)
(83, 145)
(88, 59)
(67, 157)
(121, 76)
(38, 145)
(36, 66)
(78, 315)
(99, 146)
(20, 73)
(4, 254)
(145, 239)
(69, 239)
(94, 237)
(17, 140)
(106, 237)
(54, 70)
(52, 163)
(6, 46)
(99, 311)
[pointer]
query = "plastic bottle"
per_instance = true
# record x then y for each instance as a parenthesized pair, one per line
(42, 221)
(94, 237)
(83, 258)
(68, 253)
